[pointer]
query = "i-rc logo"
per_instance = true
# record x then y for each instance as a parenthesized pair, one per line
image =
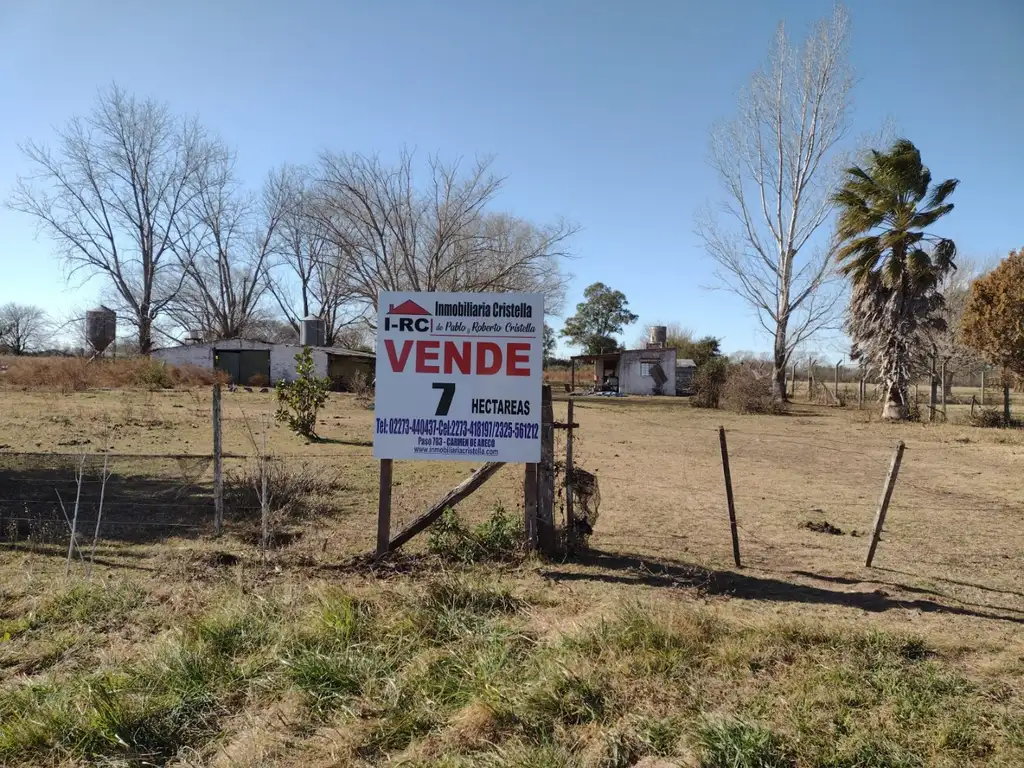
(408, 317)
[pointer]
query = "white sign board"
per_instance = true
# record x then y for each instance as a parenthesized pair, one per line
(459, 376)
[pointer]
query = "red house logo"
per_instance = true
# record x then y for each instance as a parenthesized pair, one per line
(409, 317)
(407, 307)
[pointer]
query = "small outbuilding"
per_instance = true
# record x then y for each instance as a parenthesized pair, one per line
(258, 363)
(649, 371)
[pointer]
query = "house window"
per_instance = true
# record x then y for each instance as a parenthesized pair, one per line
(645, 369)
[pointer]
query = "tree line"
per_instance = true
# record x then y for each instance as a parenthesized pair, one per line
(151, 204)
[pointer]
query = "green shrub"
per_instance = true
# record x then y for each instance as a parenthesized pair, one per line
(299, 401)
(498, 538)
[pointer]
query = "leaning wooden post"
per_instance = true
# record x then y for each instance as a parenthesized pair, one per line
(729, 498)
(837, 379)
(218, 465)
(546, 476)
(883, 503)
(384, 508)
(568, 465)
(448, 501)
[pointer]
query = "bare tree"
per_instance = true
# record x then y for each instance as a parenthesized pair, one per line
(305, 261)
(947, 342)
(23, 328)
(223, 252)
(774, 163)
(112, 195)
(390, 234)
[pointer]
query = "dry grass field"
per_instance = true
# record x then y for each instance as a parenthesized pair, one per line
(183, 649)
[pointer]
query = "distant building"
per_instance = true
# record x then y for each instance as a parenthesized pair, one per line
(249, 362)
(631, 372)
(653, 370)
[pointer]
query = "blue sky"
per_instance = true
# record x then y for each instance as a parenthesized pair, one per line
(597, 111)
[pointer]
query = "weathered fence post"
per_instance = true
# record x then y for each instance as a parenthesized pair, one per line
(568, 464)
(729, 498)
(546, 476)
(932, 397)
(838, 366)
(218, 465)
(530, 505)
(982, 386)
(883, 503)
(943, 395)
(384, 508)
(1006, 397)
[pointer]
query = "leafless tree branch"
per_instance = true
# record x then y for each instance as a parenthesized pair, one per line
(775, 162)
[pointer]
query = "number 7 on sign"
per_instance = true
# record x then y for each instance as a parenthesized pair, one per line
(447, 395)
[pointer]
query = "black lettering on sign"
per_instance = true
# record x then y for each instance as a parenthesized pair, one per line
(447, 395)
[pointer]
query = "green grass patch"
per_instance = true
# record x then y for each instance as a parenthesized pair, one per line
(447, 671)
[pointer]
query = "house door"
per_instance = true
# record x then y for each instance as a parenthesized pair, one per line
(254, 367)
(244, 366)
(227, 361)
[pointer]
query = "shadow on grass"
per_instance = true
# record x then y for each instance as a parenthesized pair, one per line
(970, 584)
(338, 441)
(61, 552)
(629, 568)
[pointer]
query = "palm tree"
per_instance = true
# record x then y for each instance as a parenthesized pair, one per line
(895, 266)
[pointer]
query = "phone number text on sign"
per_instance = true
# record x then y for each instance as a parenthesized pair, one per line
(458, 376)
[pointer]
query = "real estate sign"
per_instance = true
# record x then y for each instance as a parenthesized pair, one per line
(459, 376)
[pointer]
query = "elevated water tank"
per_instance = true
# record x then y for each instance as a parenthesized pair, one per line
(659, 335)
(312, 332)
(100, 328)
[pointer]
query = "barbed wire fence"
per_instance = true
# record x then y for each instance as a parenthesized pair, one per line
(796, 497)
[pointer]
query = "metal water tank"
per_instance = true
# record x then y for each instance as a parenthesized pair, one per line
(659, 335)
(312, 332)
(100, 328)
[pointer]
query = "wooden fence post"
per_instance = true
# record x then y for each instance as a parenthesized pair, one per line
(384, 508)
(546, 476)
(568, 465)
(932, 393)
(1006, 397)
(982, 386)
(883, 503)
(729, 498)
(943, 385)
(218, 464)
(530, 505)
(837, 379)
